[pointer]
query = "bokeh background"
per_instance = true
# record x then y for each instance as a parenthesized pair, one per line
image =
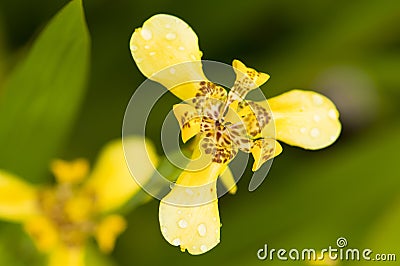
(347, 50)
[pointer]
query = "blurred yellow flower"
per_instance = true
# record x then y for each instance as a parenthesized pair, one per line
(223, 123)
(60, 218)
(323, 260)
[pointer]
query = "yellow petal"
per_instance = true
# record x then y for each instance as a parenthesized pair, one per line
(70, 172)
(67, 256)
(247, 79)
(263, 150)
(18, 199)
(111, 181)
(305, 119)
(43, 233)
(229, 181)
(195, 229)
(189, 215)
(163, 43)
(255, 116)
(188, 119)
(232, 115)
(241, 69)
(108, 230)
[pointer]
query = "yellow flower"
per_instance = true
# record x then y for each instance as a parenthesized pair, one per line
(60, 218)
(323, 260)
(223, 123)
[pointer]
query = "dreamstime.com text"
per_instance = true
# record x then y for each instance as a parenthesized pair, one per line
(339, 252)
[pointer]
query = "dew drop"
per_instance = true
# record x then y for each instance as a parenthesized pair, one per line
(179, 212)
(176, 242)
(147, 47)
(181, 48)
(133, 48)
(146, 34)
(317, 118)
(317, 99)
(168, 26)
(139, 60)
(170, 36)
(333, 138)
(164, 229)
(332, 114)
(193, 57)
(202, 229)
(172, 70)
(189, 191)
(314, 132)
(152, 53)
(303, 130)
(203, 248)
(182, 223)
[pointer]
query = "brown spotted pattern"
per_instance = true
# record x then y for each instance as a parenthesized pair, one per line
(221, 138)
(267, 148)
(244, 84)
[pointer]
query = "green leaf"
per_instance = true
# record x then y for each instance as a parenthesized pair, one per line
(43, 95)
(93, 257)
(16, 248)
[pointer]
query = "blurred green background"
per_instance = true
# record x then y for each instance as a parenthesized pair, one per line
(348, 50)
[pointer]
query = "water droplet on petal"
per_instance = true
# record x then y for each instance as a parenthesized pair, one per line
(317, 118)
(147, 47)
(176, 242)
(179, 212)
(332, 114)
(133, 48)
(202, 229)
(152, 53)
(168, 26)
(181, 48)
(203, 248)
(172, 70)
(317, 99)
(170, 36)
(189, 191)
(146, 34)
(164, 229)
(139, 60)
(182, 223)
(314, 132)
(303, 130)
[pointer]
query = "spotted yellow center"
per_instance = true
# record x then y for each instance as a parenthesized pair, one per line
(219, 117)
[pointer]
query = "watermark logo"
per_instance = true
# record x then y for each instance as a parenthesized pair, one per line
(339, 252)
(148, 101)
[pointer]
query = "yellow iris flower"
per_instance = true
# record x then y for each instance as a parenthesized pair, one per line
(223, 123)
(60, 218)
